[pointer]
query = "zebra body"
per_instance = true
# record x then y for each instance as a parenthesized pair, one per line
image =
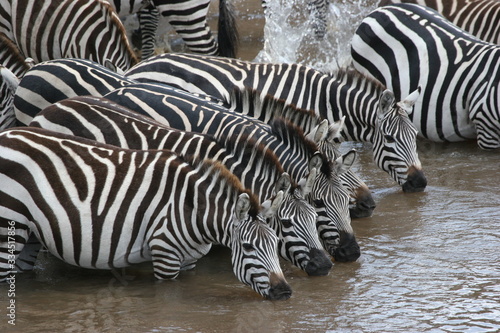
(257, 168)
(458, 73)
(297, 154)
(480, 18)
(332, 97)
(12, 58)
(105, 207)
(53, 29)
(189, 19)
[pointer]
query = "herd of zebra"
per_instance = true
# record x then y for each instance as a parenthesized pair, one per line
(106, 161)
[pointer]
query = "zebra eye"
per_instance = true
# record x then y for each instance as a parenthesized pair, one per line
(287, 223)
(389, 138)
(248, 247)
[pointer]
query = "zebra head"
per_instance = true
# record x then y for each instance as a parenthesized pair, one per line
(327, 136)
(254, 251)
(331, 201)
(8, 86)
(395, 142)
(295, 223)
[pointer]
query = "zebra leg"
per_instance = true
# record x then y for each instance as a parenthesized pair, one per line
(188, 18)
(13, 237)
(148, 22)
(166, 262)
(27, 258)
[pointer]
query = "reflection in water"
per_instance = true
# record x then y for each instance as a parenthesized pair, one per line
(429, 262)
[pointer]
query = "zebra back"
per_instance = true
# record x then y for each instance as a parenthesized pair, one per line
(52, 81)
(170, 107)
(53, 29)
(331, 96)
(457, 72)
(255, 166)
(149, 205)
(479, 18)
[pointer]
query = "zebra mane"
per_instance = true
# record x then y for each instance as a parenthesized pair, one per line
(293, 135)
(118, 23)
(272, 107)
(11, 57)
(351, 76)
(224, 177)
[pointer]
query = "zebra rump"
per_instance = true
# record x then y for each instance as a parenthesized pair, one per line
(410, 46)
(256, 167)
(99, 206)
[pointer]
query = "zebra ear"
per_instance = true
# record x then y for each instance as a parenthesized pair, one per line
(112, 67)
(242, 207)
(316, 161)
(307, 185)
(408, 102)
(9, 78)
(269, 208)
(385, 103)
(319, 133)
(336, 129)
(283, 183)
(345, 162)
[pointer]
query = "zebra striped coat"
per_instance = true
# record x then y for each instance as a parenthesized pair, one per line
(100, 206)
(257, 168)
(8, 85)
(458, 73)
(11, 57)
(53, 29)
(297, 154)
(480, 17)
(189, 19)
(332, 97)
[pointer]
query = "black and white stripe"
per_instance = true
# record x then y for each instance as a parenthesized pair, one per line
(479, 18)
(257, 168)
(410, 46)
(8, 85)
(189, 19)
(100, 206)
(296, 153)
(332, 96)
(54, 29)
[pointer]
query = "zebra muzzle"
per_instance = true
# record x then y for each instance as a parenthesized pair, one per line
(319, 263)
(416, 181)
(279, 289)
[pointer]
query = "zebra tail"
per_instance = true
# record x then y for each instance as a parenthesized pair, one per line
(228, 36)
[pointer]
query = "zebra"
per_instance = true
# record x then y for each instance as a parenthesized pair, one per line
(53, 29)
(257, 168)
(459, 86)
(100, 206)
(297, 153)
(479, 18)
(188, 18)
(331, 96)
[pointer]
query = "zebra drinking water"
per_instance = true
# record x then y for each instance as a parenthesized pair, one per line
(297, 154)
(410, 46)
(99, 206)
(331, 96)
(256, 167)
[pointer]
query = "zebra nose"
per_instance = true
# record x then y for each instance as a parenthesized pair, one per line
(280, 289)
(416, 181)
(349, 249)
(319, 263)
(364, 204)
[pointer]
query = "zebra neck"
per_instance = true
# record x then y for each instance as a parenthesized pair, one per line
(354, 96)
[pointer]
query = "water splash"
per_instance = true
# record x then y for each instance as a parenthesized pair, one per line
(289, 33)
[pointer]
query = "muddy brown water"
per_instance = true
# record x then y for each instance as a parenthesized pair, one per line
(430, 262)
